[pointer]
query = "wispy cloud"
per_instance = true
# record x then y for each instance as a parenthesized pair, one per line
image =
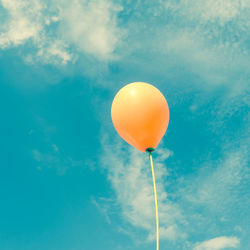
(216, 196)
(221, 184)
(209, 39)
(59, 31)
(51, 155)
(217, 188)
(130, 175)
(30, 22)
(218, 243)
(102, 204)
(207, 43)
(54, 159)
(23, 22)
(212, 13)
(91, 26)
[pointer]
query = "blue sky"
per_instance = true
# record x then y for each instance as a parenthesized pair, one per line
(67, 180)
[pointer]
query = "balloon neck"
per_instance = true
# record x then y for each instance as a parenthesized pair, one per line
(150, 150)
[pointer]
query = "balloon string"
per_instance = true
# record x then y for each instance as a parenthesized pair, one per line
(156, 205)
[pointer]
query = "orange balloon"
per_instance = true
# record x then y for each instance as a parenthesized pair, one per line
(140, 115)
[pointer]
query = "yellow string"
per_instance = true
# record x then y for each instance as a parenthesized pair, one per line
(156, 205)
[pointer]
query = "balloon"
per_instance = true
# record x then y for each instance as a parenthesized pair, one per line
(140, 115)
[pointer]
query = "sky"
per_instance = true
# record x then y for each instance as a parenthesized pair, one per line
(67, 180)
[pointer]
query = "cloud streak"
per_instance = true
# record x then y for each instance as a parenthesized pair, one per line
(54, 160)
(218, 243)
(130, 176)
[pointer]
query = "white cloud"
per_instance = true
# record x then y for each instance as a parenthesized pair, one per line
(171, 232)
(91, 26)
(210, 40)
(55, 51)
(59, 31)
(218, 243)
(27, 22)
(217, 10)
(23, 22)
(130, 175)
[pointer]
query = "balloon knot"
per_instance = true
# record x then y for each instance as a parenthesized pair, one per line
(149, 150)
